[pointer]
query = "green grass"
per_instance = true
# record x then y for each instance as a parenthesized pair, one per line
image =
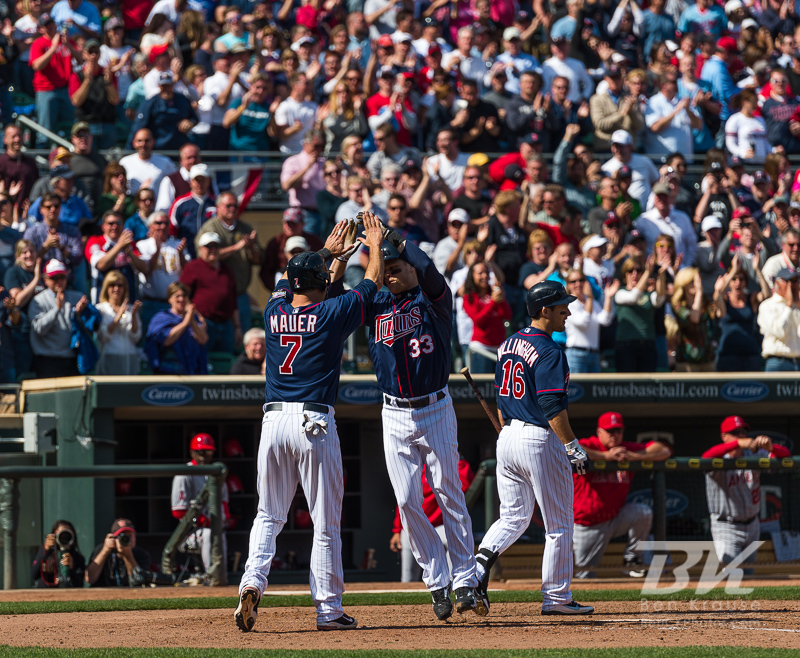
(366, 598)
(636, 652)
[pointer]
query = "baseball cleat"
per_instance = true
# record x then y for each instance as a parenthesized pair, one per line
(634, 568)
(247, 610)
(571, 608)
(442, 605)
(465, 600)
(482, 597)
(343, 623)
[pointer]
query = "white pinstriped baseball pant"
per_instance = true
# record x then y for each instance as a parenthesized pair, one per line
(287, 454)
(411, 438)
(532, 465)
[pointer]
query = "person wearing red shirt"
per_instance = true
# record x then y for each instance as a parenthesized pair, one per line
(397, 105)
(410, 570)
(51, 60)
(488, 309)
(497, 169)
(734, 497)
(601, 512)
(212, 288)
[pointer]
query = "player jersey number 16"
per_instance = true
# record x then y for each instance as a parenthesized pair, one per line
(423, 345)
(513, 382)
(294, 343)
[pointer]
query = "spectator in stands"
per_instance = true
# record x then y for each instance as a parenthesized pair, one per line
(754, 248)
(115, 197)
(301, 177)
(255, 352)
(114, 251)
(789, 255)
(295, 116)
(463, 60)
(540, 261)
(274, 259)
(212, 288)
(387, 150)
(745, 133)
(329, 199)
(739, 344)
(59, 563)
(447, 253)
(113, 563)
(580, 83)
(73, 210)
(706, 255)
(176, 184)
(473, 198)
(226, 85)
(51, 314)
(15, 167)
(716, 73)
(177, 337)
(51, 59)
(239, 248)
(87, 164)
(522, 112)
(643, 172)
(694, 350)
(614, 110)
(168, 116)
(671, 120)
(664, 218)
(488, 309)
(780, 113)
(145, 168)
(192, 210)
(601, 508)
(558, 112)
(478, 122)
(636, 308)
(779, 320)
(734, 496)
(23, 281)
(507, 243)
(342, 117)
(93, 93)
(10, 320)
(586, 318)
(120, 330)
(397, 211)
(449, 163)
(249, 118)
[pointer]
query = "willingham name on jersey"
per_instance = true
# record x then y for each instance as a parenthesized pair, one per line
(520, 348)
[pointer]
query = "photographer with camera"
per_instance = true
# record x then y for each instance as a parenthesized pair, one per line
(59, 562)
(118, 561)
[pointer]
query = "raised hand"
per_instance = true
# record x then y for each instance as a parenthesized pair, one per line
(373, 231)
(80, 307)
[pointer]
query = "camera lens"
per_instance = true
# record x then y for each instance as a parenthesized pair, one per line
(65, 539)
(124, 539)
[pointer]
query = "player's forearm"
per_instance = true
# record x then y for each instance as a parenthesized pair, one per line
(431, 280)
(560, 425)
(375, 268)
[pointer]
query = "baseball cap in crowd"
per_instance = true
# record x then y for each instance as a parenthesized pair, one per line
(741, 211)
(733, 5)
(54, 268)
(660, 188)
(80, 126)
(410, 165)
(91, 44)
(781, 198)
(120, 526)
(58, 153)
(794, 207)
(727, 43)
(400, 37)
(560, 41)
(156, 51)
(532, 139)
(760, 176)
(239, 48)
(386, 72)
(165, 78)
(61, 171)
(477, 28)
(735, 161)
(787, 274)
(302, 41)
(478, 160)
(749, 23)
(592, 242)
(634, 236)
(613, 71)
(514, 172)
(622, 137)
(208, 238)
(113, 23)
(385, 41)
(293, 215)
(512, 33)
(458, 215)
(619, 58)
(732, 423)
(611, 219)
(624, 172)
(610, 420)
(710, 222)
(434, 48)
(45, 19)
(199, 170)
(296, 242)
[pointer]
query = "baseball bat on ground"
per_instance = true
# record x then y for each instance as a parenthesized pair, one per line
(481, 399)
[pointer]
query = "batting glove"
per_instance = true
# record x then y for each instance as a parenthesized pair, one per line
(577, 456)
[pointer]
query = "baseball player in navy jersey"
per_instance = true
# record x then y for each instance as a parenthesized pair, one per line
(734, 497)
(535, 447)
(305, 334)
(185, 489)
(409, 342)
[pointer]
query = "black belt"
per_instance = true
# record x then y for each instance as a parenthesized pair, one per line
(307, 406)
(730, 519)
(508, 422)
(419, 403)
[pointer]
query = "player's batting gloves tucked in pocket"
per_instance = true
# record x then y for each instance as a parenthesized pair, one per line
(313, 426)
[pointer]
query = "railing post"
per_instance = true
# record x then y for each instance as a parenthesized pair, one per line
(9, 520)
(659, 506)
(218, 573)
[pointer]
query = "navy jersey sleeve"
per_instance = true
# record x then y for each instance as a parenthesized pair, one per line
(431, 281)
(353, 305)
(551, 375)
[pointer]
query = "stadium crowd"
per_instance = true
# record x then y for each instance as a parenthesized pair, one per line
(434, 115)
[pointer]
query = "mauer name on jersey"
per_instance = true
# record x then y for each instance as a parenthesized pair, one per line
(292, 324)
(391, 326)
(520, 348)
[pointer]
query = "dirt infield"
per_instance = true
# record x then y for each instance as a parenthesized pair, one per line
(509, 625)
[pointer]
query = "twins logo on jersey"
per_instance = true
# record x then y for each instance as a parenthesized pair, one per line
(391, 326)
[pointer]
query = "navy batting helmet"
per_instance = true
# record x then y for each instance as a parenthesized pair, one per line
(389, 251)
(307, 270)
(545, 294)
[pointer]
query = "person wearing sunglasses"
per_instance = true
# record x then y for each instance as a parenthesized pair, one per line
(586, 318)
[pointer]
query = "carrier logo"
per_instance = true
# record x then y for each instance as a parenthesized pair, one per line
(744, 391)
(390, 327)
(574, 392)
(360, 393)
(167, 395)
(676, 502)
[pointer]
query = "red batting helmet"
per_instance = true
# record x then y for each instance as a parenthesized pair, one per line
(234, 483)
(232, 448)
(202, 441)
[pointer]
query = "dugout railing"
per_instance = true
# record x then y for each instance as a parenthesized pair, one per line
(10, 477)
(675, 489)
